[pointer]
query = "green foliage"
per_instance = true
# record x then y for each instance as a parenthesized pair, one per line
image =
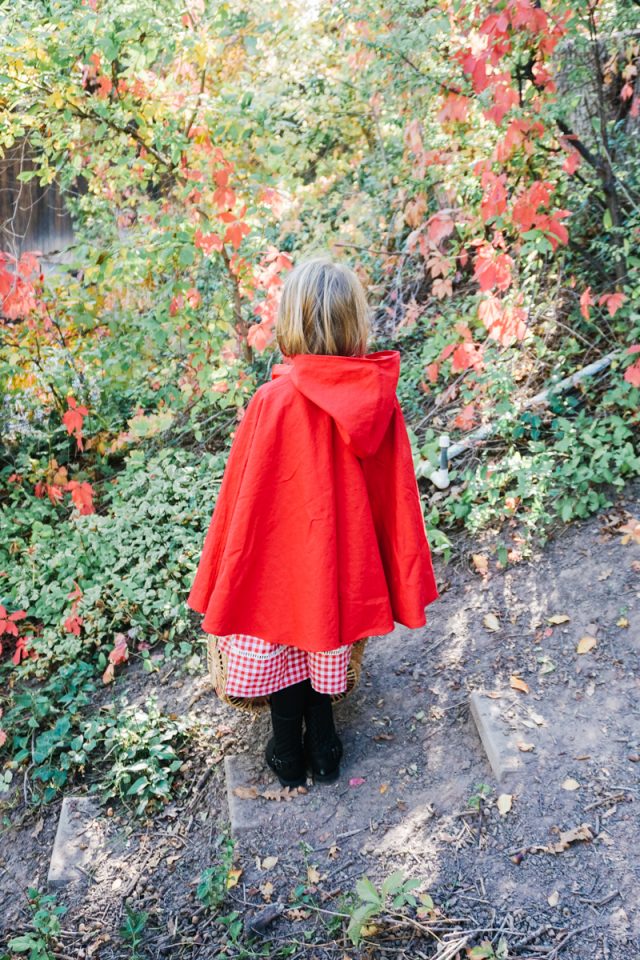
(134, 560)
(39, 942)
(132, 929)
(482, 791)
(141, 754)
(214, 881)
(134, 752)
(135, 563)
(394, 893)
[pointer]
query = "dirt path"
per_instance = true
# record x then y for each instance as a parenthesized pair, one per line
(417, 792)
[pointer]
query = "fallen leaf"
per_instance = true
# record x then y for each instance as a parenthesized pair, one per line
(232, 878)
(38, 827)
(504, 803)
(604, 574)
(583, 832)
(570, 784)
(246, 793)
(622, 622)
(313, 875)
(333, 851)
(631, 531)
(567, 837)
(585, 644)
(356, 781)
(525, 747)
(553, 899)
(103, 938)
(281, 793)
(559, 618)
(547, 665)
(297, 914)
(384, 787)
(491, 622)
(481, 563)
(518, 684)
(266, 889)
(268, 863)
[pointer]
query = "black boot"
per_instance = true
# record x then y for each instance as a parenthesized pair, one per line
(322, 745)
(284, 753)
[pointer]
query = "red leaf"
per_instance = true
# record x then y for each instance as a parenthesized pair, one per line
(235, 232)
(8, 623)
(259, 336)
(439, 226)
(613, 302)
(456, 108)
(572, 162)
(82, 495)
(466, 417)
(72, 624)
(627, 91)
(492, 268)
(120, 652)
(632, 374)
(494, 200)
(432, 370)
(586, 300)
(21, 652)
(73, 419)
(224, 197)
(207, 242)
(467, 355)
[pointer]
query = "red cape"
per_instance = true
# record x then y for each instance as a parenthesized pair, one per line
(317, 537)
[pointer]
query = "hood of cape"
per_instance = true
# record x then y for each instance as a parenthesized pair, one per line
(357, 392)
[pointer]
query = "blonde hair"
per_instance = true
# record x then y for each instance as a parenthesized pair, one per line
(323, 309)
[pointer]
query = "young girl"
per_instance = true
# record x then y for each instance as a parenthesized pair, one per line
(317, 540)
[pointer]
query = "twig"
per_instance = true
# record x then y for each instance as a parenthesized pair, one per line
(450, 950)
(602, 901)
(572, 933)
(611, 798)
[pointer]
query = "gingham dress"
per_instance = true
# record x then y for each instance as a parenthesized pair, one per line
(257, 667)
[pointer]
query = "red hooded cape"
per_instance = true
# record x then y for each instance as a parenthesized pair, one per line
(317, 537)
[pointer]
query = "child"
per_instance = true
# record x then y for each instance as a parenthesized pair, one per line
(317, 540)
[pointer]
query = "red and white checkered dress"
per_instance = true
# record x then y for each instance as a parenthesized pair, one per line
(256, 667)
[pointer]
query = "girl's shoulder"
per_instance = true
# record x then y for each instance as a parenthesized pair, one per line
(273, 395)
(275, 389)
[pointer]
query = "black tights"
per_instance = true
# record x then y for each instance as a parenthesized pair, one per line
(290, 701)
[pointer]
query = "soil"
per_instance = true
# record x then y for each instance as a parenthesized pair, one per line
(416, 792)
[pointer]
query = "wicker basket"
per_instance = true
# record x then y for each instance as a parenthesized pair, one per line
(217, 665)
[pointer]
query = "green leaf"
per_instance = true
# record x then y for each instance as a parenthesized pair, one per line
(24, 943)
(138, 786)
(393, 883)
(366, 890)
